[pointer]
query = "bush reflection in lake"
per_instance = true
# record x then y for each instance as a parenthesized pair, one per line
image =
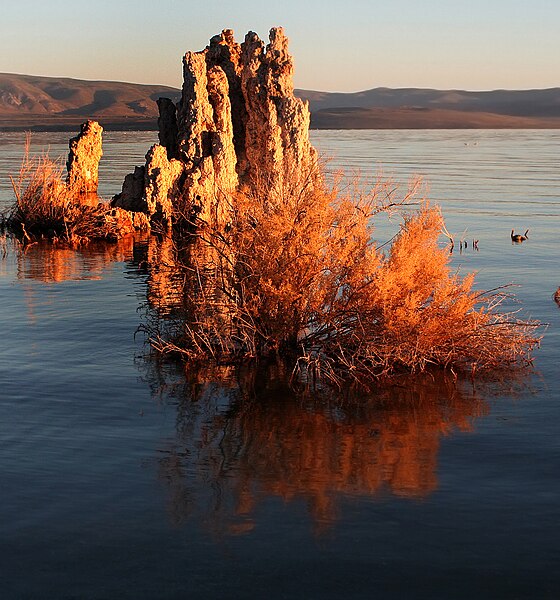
(245, 437)
(97, 465)
(251, 438)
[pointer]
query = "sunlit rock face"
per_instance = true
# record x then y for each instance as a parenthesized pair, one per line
(277, 127)
(83, 162)
(238, 109)
(160, 179)
(150, 189)
(237, 125)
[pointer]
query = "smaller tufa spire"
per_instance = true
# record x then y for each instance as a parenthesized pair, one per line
(83, 161)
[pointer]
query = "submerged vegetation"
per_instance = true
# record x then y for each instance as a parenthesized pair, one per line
(296, 274)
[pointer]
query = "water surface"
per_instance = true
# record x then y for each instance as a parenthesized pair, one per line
(121, 479)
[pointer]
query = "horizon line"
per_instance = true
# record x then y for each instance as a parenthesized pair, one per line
(380, 87)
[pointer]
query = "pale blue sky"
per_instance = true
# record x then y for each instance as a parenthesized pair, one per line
(344, 45)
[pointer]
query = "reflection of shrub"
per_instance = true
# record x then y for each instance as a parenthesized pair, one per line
(296, 272)
(45, 206)
(251, 438)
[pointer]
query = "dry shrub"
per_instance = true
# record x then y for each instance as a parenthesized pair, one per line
(45, 206)
(416, 312)
(296, 273)
(41, 200)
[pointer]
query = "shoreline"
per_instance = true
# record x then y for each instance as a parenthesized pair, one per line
(381, 119)
(40, 123)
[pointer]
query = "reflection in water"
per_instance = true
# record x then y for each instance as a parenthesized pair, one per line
(243, 440)
(165, 279)
(251, 439)
(152, 255)
(54, 263)
(186, 303)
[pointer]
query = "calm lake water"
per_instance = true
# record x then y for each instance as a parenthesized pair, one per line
(121, 480)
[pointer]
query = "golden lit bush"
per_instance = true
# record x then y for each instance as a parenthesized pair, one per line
(41, 199)
(420, 313)
(46, 207)
(296, 273)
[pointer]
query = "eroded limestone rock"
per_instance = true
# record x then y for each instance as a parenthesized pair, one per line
(238, 124)
(83, 162)
(160, 183)
(238, 107)
(225, 53)
(277, 128)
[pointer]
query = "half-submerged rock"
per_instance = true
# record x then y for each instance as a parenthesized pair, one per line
(83, 162)
(238, 125)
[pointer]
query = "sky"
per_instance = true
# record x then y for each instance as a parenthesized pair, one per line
(338, 45)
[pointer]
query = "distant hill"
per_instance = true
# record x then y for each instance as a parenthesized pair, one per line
(50, 103)
(32, 102)
(427, 108)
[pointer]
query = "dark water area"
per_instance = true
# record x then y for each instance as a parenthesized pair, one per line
(121, 478)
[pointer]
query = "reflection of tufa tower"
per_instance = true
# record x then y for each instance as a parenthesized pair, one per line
(237, 124)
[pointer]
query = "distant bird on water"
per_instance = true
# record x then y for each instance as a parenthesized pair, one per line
(517, 237)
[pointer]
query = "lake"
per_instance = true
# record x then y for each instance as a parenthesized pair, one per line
(121, 479)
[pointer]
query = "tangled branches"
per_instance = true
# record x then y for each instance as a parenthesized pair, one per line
(295, 273)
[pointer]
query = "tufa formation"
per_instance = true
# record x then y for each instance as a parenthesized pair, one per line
(83, 162)
(238, 124)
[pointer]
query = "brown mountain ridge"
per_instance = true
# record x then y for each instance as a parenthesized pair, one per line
(33, 102)
(49, 103)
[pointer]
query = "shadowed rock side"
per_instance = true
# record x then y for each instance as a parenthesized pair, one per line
(167, 126)
(238, 121)
(132, 196)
